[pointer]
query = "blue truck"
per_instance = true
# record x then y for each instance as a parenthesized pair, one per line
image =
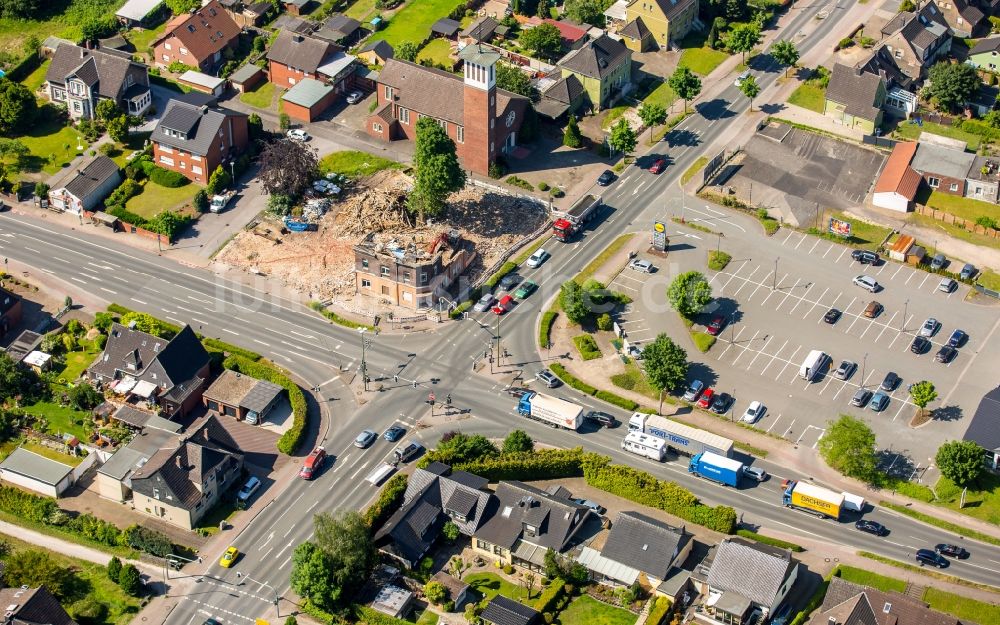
(716, 468)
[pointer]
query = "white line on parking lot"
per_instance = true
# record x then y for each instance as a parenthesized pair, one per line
(745, 348)
(856, 317)
(776, 420)
(802, 298)
(829, 249)
(790, 233)
(746, 281)
(787, 362)
(742, 328)
(841, 255)
(788, 293)
(912, 273)
(886, 327)
(775, 355)
(814, 246)
(788, 429)
(900, 268)
(759, 352)
(816, 303)
(924, 280)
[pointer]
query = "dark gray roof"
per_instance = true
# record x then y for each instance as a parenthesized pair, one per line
(566, 90)
(991, 44)
(636, 29)
(671, 8)
(644, 543)
(136, 453)
(984, 429)
(884, 65)
(482, 29)
(195, 127)
(750, 569)
(94, 175)
(856, 90)
(468, 480)
(35, 466)
(33, 606)
(445, 26)
(337, 28)
(503, 611)
(556, 518)
(380, 47)
(244, 73)
(299, 51)
(293, 23)
(95, 67)
(854, 604)
(938, 159)
(596, 57)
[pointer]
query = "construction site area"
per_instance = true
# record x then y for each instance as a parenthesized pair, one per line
(327, 263)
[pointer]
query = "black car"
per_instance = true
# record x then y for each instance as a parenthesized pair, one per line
(394, 433)
(957, 338)
(919, 345)
(926, 556)
(606, 178)
(946, 354)
(721, 403)
(952, 550)
(865, 257)
(832, 316)
(872, 527)
(890, 382)
(602, 418)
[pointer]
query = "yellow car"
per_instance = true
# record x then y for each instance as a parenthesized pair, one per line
(229, 557)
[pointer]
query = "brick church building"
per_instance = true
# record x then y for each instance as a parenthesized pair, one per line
(482, 120)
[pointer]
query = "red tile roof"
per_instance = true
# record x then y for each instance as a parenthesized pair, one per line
(898, 176)
(569, 32)
(204, 32)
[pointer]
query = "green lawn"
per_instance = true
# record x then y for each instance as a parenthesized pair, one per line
(964, 608)
(361, 10)
(981, 501)
(585, 610)
(966, 208)
(427, 618)
(912, 132)
(262, 97)
(143, 39)
(355, 164)
(989, 279)
(155, 199)
(414, 21)
(52, 145)
(954, 231)
(662, 95)
(810, 96)
(867, 578)
(36, 79)
(490, 585)
(62, 419)
(698, 57)
(634, 380)
(78, 361)
(52, 454)
(863, 234)
(438, 51)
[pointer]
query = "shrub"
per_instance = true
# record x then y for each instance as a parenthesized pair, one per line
(448, 606)
(987, 222)
(290, 440)
(717, 261)
(545, 327)
(543, 186)
(544, 464)
(508, 569)
(550, 596)
(389, 499)
(114, 569)
(587, 346)
(148, 540)
(129, 580)
(571, 379)
(703, 341)
(617, 400)
(435, 592)
(520, 182)
(659, 611)
(767, 540)
(604, 322)
(166, 177)
(88, 610)
(215, 345)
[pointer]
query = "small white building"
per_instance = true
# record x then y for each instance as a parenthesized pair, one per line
(211, 85)
(36, 472)
(898, 183)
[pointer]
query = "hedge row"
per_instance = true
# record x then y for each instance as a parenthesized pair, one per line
(371, 617)
(767, 540)
(290, 440)
(583, 387)
(545, 328)
(545, 464)
(335, 318)
(389, 499)
(659, 612)
(617, 400)
(551, 595)
(121, 311)
(505, 269)
(215, 345)
(646, 489)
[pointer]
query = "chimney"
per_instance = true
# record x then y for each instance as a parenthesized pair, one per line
(208, 437)
(204, 109)
(832, 621)
(297, 38)
(180, 463)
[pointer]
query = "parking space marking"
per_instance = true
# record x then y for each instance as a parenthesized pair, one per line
(844, 251)
(802, 298)
(776, 420)
(788, 294)
(893, 276)
(746, 281)
(733, 342)
(800, 241)
(842, 387)
(744, 350)
(788, 429)
(901, 406)
(760, 284)
(790, 233)
(773, 356)
(816, 303)
(924, 280)
(787, 362)
(886, 327)
(759, 352)
(856, 317)
(814, 246)
(912, 273)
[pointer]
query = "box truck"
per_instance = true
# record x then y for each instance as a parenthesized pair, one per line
(680, 438)
(569, 222)
(645, 445)
(716, 468)
(854, 503)
(812, 365)
(814, 499)
(553, 411)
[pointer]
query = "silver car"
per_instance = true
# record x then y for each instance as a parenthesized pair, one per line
(845, 369)
(365, 439)
(930, 327)
(547, 378)
(866, 282)
(643, 266)
(485, 303)
(539, 257)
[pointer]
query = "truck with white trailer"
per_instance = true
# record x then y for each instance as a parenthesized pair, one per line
(813, 499)
(645, 445)
(854, 503)
(569, 222)
(814, 363)
(716, 468)
(680, 438)
(553, 411)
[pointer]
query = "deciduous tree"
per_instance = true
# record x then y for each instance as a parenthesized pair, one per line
(435, 592)
(438, 173)
(689, 293)
(652, 114)
(346, 541)
(118, 128)
(407, 51)
(952, 84)
(585, 11)
(512, 79)
(750, 89)
(849, 447)
(543, 40)
(962, 462)
(685, 84)
(665, 363)
(32, 567)
(786, 53)
(219, 180)
(144, 322)
(572, 301)
(571, 136)
(83, 396)
(18, 107)
(923, 393)
(107, 109)
(622, 137)
(742, 38)
(178, 7)
(287, 167)
(517, 441)
(312, 576)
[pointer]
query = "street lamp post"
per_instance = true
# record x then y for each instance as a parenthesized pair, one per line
(902, 323)
(277, 608)
(498, 354)
(774, 279)
(365, 344)
(718, 245)
(864, 362)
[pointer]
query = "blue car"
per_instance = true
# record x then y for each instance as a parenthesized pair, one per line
(879, 401)
(394, 433)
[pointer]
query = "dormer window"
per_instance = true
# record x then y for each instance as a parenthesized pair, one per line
(156, 493)
(218, 34)
(190, 28)
(530, 530)
(211, 11)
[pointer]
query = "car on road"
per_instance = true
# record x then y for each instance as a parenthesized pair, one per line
(872, 527)
(832, 316)
(229, 557)
(211, 621)
(640, 265)
(938, 262)
(706, 398)
(721, 403)
(755, 473)
(957, 338)
(968, 271)
(873, 309)
(845, 370)
(920, 345)
(930, 327)
(946, 354)
(539, 257)
(519, 391)
(890, 382)
(927, 556)
(754, 412)
(952, 550)
(365, 439)
(297, 134)
(947, 285)
(593, 505)
(694, 390)
(658, 165)
(354, 97)
(509, 281)
(503, 305)
(248, 489)
(548, 378)
(865, 257)
(879, 402)
(606, 178)
(313, 463)
(743, 76)
(485, 303)
(601, 418)
(394, 433)
(527, 288)
(405, 452)
(860, 397)
(867, 282)
(715, 325)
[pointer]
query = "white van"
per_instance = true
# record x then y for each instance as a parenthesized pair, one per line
(812, 365)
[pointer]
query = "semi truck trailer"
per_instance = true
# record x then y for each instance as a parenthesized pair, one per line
(550, 410)
(680, 438)
(716, 468)
(813, 499)
(570, 222)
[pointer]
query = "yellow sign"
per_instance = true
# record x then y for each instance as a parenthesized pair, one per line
(261, 621)
(659, 227)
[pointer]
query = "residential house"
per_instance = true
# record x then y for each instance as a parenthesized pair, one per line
(242, 397)
(916, 40)
(80, 78)
(573, 35)
(565, 95)
(434, 496)
(503, 611)
(458, 591)
(10, 311)
(669, 21)
(294, 57)
(984, 429)
(898, 183)
(85, 188)
(944, 169)
(481, 119)
(746, 580)
(247, 14)
(138, 13)
(528, 522)
(176, 369)
(854, 98)
(638, 549)
(964, 18)
(604, 68)
(983, 100)
(480, 31)
(900, 97)
(985, 54)
(195, 140)
(36, 472)
(637, 36)
(847, 603)
(341, 30)
(31, 606)
(294, 24)
(114, 476)
(446, 27)
(197, 39)
(183, 481)
(297, 7)
(376, 52)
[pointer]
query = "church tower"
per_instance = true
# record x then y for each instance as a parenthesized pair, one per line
(476, 141)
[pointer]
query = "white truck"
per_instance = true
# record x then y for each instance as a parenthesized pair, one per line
(219, 202)
(645, 445)
(814, 363)
(553, 411)
(680, 438)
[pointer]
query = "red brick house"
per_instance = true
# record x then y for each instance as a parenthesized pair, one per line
(482, 120)
(294, 57)
(194, 140)
(197, 39)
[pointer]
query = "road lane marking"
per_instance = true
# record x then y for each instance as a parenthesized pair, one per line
(138, 301)
(109, 291)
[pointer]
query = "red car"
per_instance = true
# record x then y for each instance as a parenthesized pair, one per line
(715, 326)
(506, 303)
(313, 464)
(706, 398)
(658, 165)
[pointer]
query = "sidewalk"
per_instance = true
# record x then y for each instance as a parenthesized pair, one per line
(71, 549)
